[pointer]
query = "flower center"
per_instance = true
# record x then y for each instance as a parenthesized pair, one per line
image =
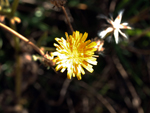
(75, 55)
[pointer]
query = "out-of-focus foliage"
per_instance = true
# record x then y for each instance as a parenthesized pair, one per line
(120, 82)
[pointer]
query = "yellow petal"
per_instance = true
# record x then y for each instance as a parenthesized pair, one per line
(74, 53)
(58, 67)
(84, 37)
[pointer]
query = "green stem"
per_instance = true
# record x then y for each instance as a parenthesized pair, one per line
(14, 7)
(49, 49)
(16, 40)
(18, 65)
(17, 48)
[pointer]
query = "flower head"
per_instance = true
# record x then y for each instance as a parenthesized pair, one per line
(99, 45)
(115, 27)
(74, 53)
(47, 60)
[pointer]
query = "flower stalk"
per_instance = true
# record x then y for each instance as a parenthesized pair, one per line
(14, 7)
(64, 10)
(22, 38)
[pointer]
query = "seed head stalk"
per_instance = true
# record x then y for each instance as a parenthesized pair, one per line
(64, 10)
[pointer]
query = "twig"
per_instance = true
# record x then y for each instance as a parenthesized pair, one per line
(112, 5)
(99, 96)
(136, 100)
(70, 104)
(62, 93)
(64, 10)
(85, 105)
(23, 38)
(132, 39)
(137, 51)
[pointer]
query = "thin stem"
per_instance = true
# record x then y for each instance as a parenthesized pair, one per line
(49, 48)
(144, 32)
(23, 38)
(14, 7)
(18, 78)
(18, 65)
(17, 48)
(64, 10)
(98, 96)
(135, 98)
(16, 40)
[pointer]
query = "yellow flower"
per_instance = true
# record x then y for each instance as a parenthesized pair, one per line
(74, 53)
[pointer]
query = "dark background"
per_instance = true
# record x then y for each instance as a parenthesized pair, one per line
(120, 82)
